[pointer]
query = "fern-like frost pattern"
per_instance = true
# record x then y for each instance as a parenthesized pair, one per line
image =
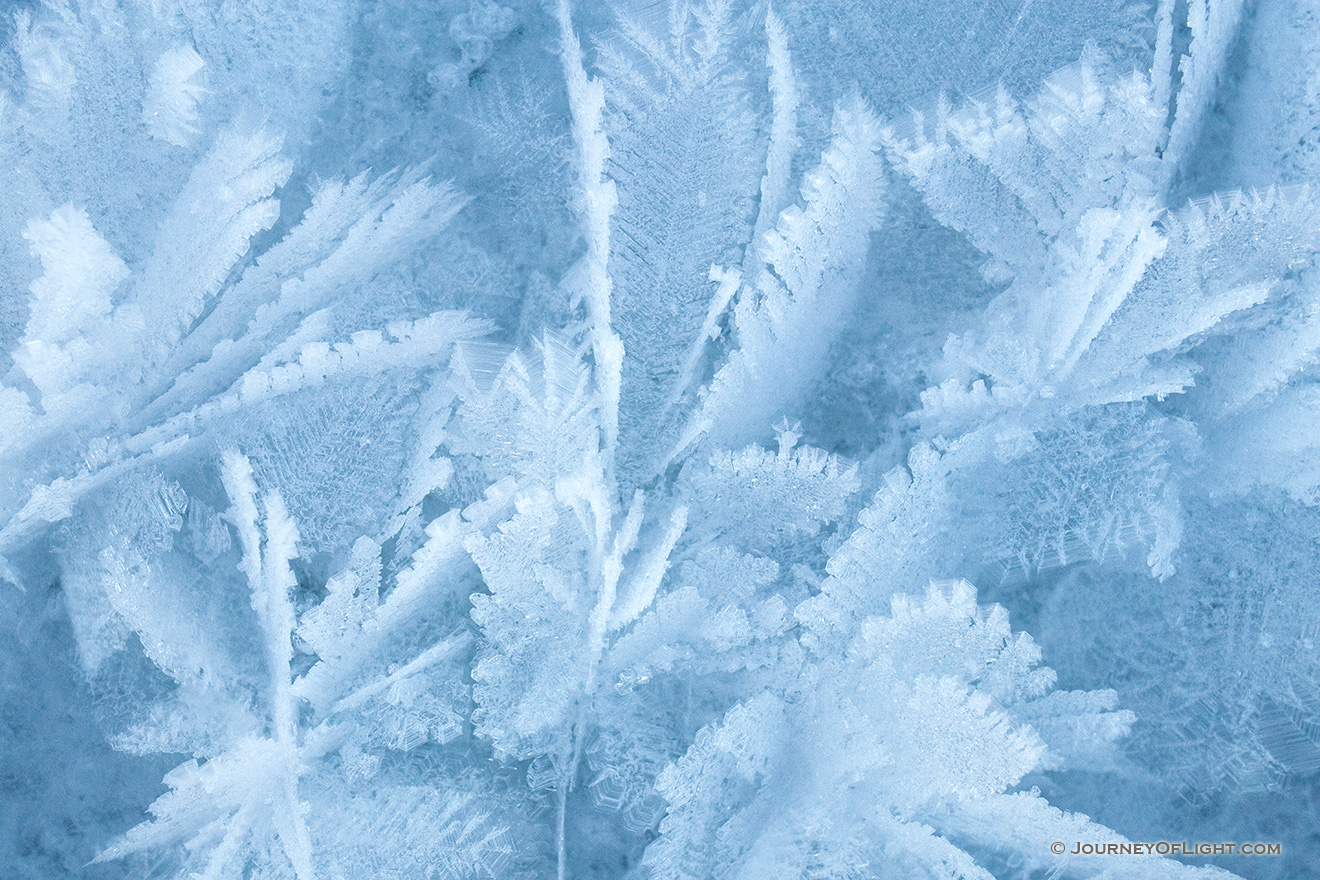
(679, 440)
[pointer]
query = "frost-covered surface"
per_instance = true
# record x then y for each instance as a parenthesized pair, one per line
(504, 438)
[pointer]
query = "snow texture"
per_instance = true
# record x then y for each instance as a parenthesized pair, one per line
(633, 441)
